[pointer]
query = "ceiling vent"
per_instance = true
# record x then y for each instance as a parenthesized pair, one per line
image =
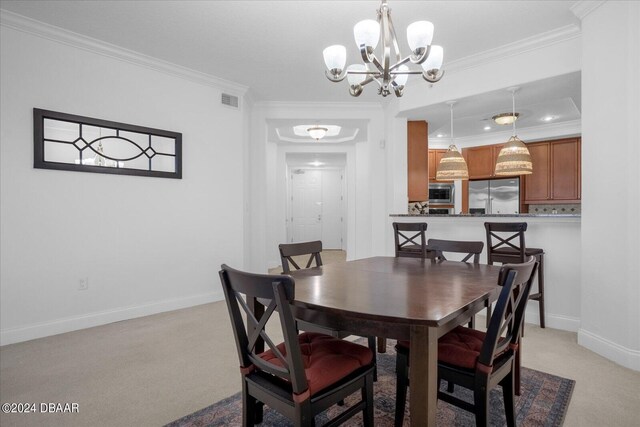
(229, 100)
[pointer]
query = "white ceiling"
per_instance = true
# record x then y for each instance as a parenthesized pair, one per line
(282, 131)
(558, 97)
(316, 160)
(275, 47)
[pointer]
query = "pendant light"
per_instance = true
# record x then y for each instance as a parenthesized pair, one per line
(514, 157)
(452, 165)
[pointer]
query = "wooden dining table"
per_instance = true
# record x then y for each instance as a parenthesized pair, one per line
(399, 298)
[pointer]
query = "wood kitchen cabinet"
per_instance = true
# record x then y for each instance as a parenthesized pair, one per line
(418, 161)
(434, 160)
(481, 161)
(556, 172)
(538, 184)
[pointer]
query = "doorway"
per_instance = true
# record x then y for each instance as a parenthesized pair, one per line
(317, 205)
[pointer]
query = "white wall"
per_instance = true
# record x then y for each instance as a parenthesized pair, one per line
(146, 244)
(610, 295)
(366, 179)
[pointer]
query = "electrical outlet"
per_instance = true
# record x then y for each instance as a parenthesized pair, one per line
(83, 284)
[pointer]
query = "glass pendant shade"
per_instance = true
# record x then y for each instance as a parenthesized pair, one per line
(419, 34)
(401, 79)
(435, 59)
(356, 79)
(335, 57)
(317, 132)
(367, 33)
(452, 166)
(514, 159)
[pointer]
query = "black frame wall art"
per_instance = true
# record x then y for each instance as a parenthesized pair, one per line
(75, 143)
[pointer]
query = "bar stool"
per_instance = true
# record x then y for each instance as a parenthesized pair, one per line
(512, 249)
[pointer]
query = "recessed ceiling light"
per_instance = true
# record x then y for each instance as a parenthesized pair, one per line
(548, 118)
(439, 135)
(316, 163)
(487, 128)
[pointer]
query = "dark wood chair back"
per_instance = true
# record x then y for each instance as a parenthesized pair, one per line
(505, 326)
(472, 249)
(289, 250)
(505, 242)
(276, 292)
(410, 239)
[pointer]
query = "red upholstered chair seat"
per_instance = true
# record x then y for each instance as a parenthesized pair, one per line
(459, 347)
(326, 359)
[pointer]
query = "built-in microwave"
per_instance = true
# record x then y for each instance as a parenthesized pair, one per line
(441, 194)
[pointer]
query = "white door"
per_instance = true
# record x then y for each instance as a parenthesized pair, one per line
(317, 207)
(306, 206)
(332, 209)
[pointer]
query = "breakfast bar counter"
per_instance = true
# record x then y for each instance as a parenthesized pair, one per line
(558, 234)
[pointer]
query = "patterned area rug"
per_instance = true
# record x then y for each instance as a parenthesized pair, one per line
(543, 402)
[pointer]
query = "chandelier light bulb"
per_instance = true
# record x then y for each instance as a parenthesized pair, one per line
(335, 57)
(356, 79)
(435, 59)
(367, 33)
(419, 35)
(401, 79)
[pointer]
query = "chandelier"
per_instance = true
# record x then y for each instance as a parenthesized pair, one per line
(514, 157)
(452, 165)
(388, 76)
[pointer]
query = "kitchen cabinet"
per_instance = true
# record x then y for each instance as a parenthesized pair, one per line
(481, 161)
(537, 186)
(556, 172)
(417, 161)
(434, 159)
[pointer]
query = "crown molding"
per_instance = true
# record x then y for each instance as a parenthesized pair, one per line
(583, 8)
(320, 105)
(539, 41)
(70, 38)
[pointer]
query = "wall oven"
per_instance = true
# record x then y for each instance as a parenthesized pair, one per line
(441, 194)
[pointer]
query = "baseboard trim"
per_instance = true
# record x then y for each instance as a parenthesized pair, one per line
(615, 352)
(69, 324)
(555, 321)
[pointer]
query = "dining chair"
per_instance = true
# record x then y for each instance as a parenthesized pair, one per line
(410, 239)
(313, 249)
(305, 374)
(509, 247)
(471, 249)
(478, 360)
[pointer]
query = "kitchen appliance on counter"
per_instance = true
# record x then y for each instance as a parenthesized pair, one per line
(441, 194)
(494, 196)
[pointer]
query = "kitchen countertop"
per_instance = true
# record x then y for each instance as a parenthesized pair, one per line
(527, 215)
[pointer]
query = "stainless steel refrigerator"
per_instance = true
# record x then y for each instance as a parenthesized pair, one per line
(494, 196)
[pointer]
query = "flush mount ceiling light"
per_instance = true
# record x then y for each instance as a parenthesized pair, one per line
(388, 76)
(452, 165)
(514, 157)
(506, 118)
(317, 132)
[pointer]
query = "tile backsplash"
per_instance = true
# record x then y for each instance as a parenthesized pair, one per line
(418, 208)
(574, 208)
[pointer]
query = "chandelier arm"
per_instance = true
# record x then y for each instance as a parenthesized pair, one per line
(432, 77)
(335, 78)
(422, 56)
(392, 33)
(367, 54)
